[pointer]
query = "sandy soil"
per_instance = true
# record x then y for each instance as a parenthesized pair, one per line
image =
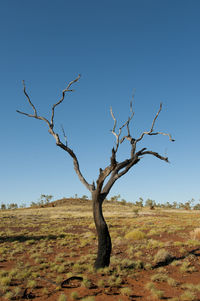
(42, 247)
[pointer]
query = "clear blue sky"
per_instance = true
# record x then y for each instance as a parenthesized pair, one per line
(117, 46)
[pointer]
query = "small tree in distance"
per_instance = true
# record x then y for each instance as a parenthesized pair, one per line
(113, 171)
(45, 199)
(3, 207)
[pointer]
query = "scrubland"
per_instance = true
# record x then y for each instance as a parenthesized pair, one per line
(48, 254)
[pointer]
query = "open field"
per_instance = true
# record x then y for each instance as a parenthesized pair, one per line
(155, 256)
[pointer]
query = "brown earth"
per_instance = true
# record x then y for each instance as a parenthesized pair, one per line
(153, 256)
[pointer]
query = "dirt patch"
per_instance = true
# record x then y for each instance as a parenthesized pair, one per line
(46, 253)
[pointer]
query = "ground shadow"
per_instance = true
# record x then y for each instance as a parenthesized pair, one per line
(174, 258)
(23, 238)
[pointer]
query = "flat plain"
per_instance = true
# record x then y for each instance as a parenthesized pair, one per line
(48, 253)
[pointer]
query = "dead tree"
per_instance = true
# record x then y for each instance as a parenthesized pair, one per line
(112, 172)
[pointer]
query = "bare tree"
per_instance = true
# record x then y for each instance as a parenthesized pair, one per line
(112, 172)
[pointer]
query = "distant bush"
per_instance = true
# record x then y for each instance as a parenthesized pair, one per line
(135, 235)
(11, 206)
(123, 202)
(196, 207)
(44, 200)
(138, 203)
(3, 207)
(150, 203)
(33, 204)
(115, 198)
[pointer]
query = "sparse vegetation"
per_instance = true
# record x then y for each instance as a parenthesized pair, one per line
(38, 251)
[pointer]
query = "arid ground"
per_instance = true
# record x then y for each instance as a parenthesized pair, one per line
(48, 254)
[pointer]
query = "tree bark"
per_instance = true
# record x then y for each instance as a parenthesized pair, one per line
(104, 240)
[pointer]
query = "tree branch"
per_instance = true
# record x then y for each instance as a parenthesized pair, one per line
(128, 137)
(114, 166)
(122, 168)
(90, 187)
(110, 183)
(151, 133)
(35, 115)
(154, 154)
(103, 174)
(115, 170)
(153, 123)
(114, 175)
(65, 137)
(126, 169)
(55, 135)
(63, 96)
(113, 130)
(34, 109)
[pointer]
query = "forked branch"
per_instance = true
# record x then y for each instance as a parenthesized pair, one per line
(115, 170)
(128, 136)
(114, 128)
(34, 109)
(123, 167)
(55, 135)
(151, 133)
(62, 98)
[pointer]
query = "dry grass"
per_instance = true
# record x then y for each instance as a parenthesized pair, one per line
(195, 234)
(162, 256)
(59, 242)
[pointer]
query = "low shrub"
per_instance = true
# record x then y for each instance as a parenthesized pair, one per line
(188, 296)
(135, 235)
(126, 291)
(159, 277)
(162, 256)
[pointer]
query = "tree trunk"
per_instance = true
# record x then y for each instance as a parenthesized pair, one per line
(104, 240)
